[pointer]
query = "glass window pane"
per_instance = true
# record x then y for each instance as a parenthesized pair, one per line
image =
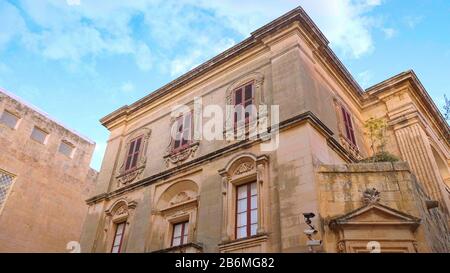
(254, 202)
(115, 249)
(120, 228)
(238, 97)
(185, 229)
(241, 232)
(254, 216)
(176, 241)
(242, 219)
(242, 205)
(135, 160)
(128, 165)
(177, 230)
(253, 189)
(138, 145)
(185, 239)
(242, 192)
(117, 240)
(253, 229)
(248, 92)
(9, 120)
(131, 149)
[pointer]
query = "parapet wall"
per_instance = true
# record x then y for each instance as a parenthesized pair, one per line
(341, 191)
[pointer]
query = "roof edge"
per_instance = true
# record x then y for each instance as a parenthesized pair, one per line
(44, 114)
(296, 14)
(422, 93)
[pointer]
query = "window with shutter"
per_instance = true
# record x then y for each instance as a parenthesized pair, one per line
(133, 153)
(348, 124)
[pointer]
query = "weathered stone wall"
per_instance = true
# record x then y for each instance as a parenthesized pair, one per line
(341, 189)
(46, 206)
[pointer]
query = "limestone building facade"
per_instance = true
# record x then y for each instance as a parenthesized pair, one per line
(44, 179)
(159, 193)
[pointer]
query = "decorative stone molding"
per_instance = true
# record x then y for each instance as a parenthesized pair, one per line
(341, 247)
(371, 196)
(126, 177)
(181, 156)
(349, 147)
(244, 168)
(180, 198)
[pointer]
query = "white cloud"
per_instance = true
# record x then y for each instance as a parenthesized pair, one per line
(195, 57)
(346, 23)
(79, 31)
(12, 24)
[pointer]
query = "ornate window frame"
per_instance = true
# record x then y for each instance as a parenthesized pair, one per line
(174, 157)
(126, 177)
(121, 211)
(257, 78)
(240, 170)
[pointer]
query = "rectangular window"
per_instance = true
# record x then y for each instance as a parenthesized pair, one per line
(66, 149)
(348, 123)
(118, 238)
(183, 132)
(39, 135)
(246, 210)
(180, 234)
(9, 120)
(6, 181)
(243, 97)
(133, 153)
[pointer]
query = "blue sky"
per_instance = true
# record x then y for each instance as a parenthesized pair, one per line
(79, 60)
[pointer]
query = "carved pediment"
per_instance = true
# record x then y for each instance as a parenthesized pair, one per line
(180, 198)
(121, 211)
(244, 168)
(375, 214)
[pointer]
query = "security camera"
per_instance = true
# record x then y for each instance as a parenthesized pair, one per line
(310, 231)
(314, 243)
(309, 215)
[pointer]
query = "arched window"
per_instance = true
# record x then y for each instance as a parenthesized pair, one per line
(118, 219)
(174, 218)
(245, 187)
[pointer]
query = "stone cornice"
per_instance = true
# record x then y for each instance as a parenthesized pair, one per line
(295, 15)
(419, 91)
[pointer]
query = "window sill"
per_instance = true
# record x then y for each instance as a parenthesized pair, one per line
(181, 155)
(253, 241)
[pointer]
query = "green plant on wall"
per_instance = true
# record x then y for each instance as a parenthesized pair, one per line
(376, 131)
